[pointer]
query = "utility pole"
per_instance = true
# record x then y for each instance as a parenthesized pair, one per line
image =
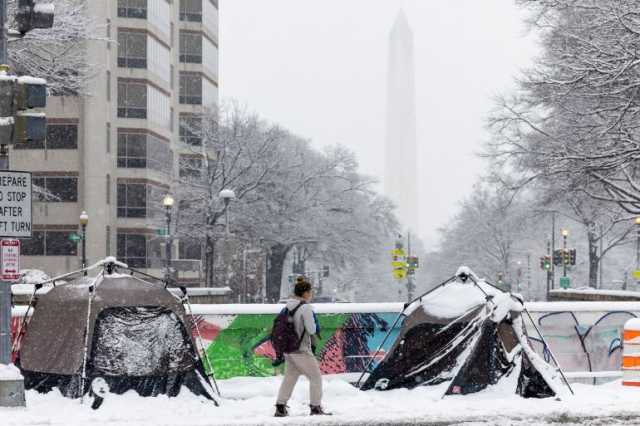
(550, 270)
(553, 248)
(17, 95)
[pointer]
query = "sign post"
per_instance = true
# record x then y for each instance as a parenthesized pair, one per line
(15, 222)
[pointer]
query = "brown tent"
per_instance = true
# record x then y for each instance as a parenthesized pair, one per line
(132, 333)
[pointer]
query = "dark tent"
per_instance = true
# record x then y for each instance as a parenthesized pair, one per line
(132, 333)
(469, 334)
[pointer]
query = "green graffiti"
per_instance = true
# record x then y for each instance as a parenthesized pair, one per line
(232, 352)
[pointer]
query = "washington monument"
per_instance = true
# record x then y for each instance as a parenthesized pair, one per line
(401, 179)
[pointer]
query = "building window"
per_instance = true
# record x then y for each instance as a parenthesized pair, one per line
(108, 241)
(132, 250)
(191, 129)
(132, 99)
(59, 136)
(190, 88)
(57, 189)
(132, 150)
(190, 167)
(132, 200)
(108, 138)
(190, 47)
(191, 10)
(141, 150)
(49, 243)
(62, 136)
(108, 84)
(108, 33)
(132, 9)
(108, 179)
(132, 49)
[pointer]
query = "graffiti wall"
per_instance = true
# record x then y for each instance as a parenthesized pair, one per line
(585, 337)
(239, 345)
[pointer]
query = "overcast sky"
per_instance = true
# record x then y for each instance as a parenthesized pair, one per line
(319, 69)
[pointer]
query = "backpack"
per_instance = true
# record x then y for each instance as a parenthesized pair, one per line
(283, 334)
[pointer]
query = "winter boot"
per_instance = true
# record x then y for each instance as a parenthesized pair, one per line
(281, 411)
(316, 410)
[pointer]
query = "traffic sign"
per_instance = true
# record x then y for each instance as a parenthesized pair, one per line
(399, 273)
(565, 282)
(10, 260)
(75, 238)
(15, 204)
(636, 275)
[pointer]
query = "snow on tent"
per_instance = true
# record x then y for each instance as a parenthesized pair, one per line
(113, 329)
(467, 333)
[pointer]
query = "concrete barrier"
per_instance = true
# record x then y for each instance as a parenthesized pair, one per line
(631, 353)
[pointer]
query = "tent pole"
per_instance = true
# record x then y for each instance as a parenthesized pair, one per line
(199, 339)
(92, 288)
(404, 308)
(566, 382)
(23, 323)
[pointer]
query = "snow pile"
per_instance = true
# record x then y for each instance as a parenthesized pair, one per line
(249, 401)
(9, 372)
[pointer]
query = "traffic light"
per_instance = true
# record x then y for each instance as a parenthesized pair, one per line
(565, 257)
(545, 263)
(572, 256)
(18, 95)
(31, 15)
(557, 257)
(412, 262)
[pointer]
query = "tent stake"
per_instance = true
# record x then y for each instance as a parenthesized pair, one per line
(566, 382)
(404, 308)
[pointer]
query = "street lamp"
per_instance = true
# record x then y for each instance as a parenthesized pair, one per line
(227, 195)
(84, 220)
(167, 202)
(565, 234)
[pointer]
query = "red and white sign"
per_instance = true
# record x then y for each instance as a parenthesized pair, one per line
(10, 258)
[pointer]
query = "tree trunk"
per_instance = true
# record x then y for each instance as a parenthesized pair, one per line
(594, 260)
(209, 261)
(277, 257)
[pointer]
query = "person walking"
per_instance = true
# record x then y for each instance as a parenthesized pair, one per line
(302, 361)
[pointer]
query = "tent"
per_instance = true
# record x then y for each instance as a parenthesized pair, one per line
(131, 333)
(470, 334)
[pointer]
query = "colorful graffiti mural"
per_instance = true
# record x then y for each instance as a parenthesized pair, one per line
(241, 346)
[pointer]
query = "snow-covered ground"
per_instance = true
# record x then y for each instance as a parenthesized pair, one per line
(249, 401)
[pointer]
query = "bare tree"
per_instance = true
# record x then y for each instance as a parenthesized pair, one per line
(58, 54)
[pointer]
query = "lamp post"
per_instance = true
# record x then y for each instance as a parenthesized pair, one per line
(227, 195)
(565, 234)
(84, 220)
(167, 202)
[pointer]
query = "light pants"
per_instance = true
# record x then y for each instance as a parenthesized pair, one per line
(296, 364)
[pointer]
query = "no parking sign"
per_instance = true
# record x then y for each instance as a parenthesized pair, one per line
(10, 259)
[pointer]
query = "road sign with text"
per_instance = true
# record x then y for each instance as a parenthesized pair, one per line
(15, 204)
(10, 260)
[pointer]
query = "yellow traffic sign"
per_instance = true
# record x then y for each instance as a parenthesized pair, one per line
(399, 273)
(636, 274)
(398, 252)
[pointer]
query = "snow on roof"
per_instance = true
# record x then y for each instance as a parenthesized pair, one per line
(454, 299)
